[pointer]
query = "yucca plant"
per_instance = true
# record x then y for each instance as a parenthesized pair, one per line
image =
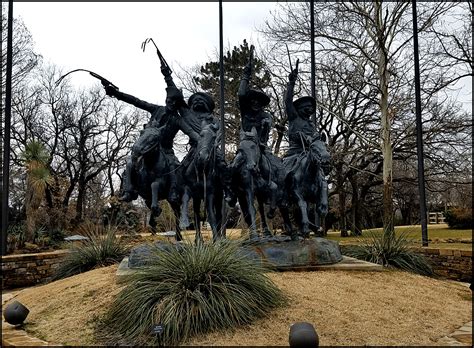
(389, 249)
(189, 290)
(102, 248)
(35, 157)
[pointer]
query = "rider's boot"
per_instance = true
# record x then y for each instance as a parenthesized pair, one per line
(267, 233)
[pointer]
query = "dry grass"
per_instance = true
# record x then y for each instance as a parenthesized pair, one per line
(347, 308)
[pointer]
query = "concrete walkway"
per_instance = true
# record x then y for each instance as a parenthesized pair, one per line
(460, 337)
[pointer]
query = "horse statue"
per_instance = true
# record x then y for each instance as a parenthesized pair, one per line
(260, 176)
(152, 180)
(244, 170)
(203, 180)
(305, 181)
(271, 191)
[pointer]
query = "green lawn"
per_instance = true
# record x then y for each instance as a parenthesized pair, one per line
(439, 236)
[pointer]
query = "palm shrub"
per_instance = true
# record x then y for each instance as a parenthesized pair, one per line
(190, 290)
(102, 248)
(389, 249)
(36, 157)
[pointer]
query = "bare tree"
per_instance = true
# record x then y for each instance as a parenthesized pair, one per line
(376, 37)
(86, 134)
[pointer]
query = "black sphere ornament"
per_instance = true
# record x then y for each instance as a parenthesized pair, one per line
(15, 313)
(303, 334)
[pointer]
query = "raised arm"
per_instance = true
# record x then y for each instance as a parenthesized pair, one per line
(244, 82)
(289, 107)
(246, 76)
(130, 99)
(166, 71)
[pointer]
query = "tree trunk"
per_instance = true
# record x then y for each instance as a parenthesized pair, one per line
(386, 145)
(342, 203)
(81, 192)
(355, 204)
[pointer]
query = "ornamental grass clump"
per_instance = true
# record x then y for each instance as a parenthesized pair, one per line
(102, 248)
(391, 250)
(190, 290)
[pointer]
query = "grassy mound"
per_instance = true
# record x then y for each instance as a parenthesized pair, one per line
(190, 290)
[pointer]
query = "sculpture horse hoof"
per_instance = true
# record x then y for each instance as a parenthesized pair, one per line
(156, 211)
(271, 214)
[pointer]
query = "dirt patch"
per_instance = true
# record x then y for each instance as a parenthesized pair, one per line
(347, 308)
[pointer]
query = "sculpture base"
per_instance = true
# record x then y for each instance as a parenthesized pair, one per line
(276, 252)
(282, 253)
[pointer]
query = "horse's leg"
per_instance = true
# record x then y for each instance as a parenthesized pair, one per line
(261, 208)
(184, 218)
(323, 197)
(273, 188)
(322, 204)
(197, 218)
(244, 208)
(176, 210)
(218, 197)
(211, 215)
(151, 220)
(155, 208)
(249, 197)
(285, 213)
(304, 220)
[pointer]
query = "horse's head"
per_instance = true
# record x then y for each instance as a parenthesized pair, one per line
(250, 149)
(319, 155)
(146, 149)
(206, 144)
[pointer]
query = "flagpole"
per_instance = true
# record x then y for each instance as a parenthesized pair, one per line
(419, 133)
(313, 59)
(8, 111)
(221, 104)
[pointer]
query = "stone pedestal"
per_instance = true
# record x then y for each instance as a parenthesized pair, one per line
(274, 252)
(282, 253)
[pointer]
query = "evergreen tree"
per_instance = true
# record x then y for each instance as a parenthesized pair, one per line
(209, 81)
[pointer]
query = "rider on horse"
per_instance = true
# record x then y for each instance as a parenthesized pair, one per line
(252, 103)
(302, 132)
(301, 129)
(194, 115)
(161, 129)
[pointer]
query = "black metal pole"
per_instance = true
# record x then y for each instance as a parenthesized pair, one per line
(221, 103)
(313, 60)
(6, 139)
(419, 133)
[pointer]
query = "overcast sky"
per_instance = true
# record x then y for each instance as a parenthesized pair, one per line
(106, 37)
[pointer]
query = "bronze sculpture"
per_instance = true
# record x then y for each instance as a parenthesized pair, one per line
(307, 160)
(203, 175)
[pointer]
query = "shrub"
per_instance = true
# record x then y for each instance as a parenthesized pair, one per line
(190, 289)
(15, 237)
(102, 248)
(459, 218)
(390, 250)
